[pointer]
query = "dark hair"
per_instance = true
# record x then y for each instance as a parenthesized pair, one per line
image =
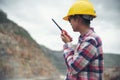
(84, 21)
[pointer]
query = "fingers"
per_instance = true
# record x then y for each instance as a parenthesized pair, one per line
(65, 38)
(62, 34)
(65, 34)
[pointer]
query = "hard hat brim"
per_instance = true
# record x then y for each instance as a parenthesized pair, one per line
(65, 18)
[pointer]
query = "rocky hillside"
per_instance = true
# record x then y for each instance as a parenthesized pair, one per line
(56, 58)
(20, 55)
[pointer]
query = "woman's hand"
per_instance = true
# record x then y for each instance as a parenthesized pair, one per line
(65, 37)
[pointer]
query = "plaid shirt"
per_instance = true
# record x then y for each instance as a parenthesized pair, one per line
(85, 62)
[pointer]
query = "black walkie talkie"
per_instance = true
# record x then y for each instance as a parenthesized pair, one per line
(57, 25)
(62, 30)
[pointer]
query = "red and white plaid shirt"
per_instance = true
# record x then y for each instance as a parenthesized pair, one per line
(85, 62)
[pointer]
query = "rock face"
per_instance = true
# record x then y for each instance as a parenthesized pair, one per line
(20, 55)
(112, 73)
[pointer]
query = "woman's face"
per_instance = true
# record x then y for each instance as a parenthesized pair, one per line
(75, 23)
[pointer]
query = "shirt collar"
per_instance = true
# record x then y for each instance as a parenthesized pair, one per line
(81, 37)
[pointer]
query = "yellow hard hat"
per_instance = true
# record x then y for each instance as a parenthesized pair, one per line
(81, 7)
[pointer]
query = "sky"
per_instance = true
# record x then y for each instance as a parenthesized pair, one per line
(35, 16)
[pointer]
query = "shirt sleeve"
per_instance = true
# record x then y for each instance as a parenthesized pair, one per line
(68, 52)
(80, 59)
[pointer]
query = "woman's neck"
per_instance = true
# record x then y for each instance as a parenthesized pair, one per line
(84, 31)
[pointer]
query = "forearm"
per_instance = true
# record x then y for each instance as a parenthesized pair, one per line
(79, 60)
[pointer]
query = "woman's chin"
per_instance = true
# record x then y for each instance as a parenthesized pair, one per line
(75, 30)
